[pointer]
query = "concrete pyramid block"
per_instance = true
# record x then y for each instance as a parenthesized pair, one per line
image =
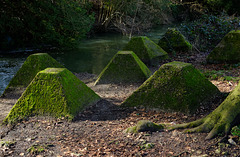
(173, 42)
(148, 51)
(176, 86)
(53, 92)
(228, 50)
(33, 64)
(125, 67)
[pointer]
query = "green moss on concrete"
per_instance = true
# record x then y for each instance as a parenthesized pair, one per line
(33, 64)
(144, 125)
(55, 92)
(176, 86)
(228, 50)
(124, 67)
(146, 50)
(173, 42)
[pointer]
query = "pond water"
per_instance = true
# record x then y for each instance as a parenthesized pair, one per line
(91, 56)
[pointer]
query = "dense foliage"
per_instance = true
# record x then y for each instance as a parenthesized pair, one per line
(131, 17)
(230, 6)
(206, 32)
(63, 23)
(25, 23)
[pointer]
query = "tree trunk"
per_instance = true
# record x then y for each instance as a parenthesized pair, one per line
(220, 120)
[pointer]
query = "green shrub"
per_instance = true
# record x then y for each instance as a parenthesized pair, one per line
(220, 75)
(40, 23)
(131, 17)
(230, 6)
(236, 131)
(206, 32)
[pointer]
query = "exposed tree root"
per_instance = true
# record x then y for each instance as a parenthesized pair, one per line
(220, 120)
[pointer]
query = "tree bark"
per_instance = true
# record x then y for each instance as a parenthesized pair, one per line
(220, 120)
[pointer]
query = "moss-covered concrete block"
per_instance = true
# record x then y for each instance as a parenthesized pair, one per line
(33, 64)
(124, 67)
(148, 51)
(176, 86)
(144, 125)
(173, 42)
(228, 50)
(53, 92)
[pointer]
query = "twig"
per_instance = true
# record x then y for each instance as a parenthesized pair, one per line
(130, 35)
(219, 141)
(196, 48)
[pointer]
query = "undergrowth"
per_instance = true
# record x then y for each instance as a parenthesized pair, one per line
(236, 131)
(221, 75)
(206, 32)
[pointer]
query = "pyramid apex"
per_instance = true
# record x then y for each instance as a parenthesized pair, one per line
(148, 51)
(124, 67)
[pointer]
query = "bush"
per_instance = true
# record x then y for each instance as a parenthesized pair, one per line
(131, 17)
(208, 31)
(37, 23)
(230, 6)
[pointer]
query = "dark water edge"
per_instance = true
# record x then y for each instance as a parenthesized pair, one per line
(91, 56)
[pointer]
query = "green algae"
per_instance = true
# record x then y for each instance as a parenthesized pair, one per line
(124, 67)
(53, 92)
(173, 42)
(176, 86)
(33, 64)
(228, 50)
(144, 125)
(146, 49)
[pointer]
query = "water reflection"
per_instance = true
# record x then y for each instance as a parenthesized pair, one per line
(91, 56)
(8, 68)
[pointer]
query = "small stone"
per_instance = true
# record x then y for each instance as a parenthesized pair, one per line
(21, 154)
(199, 152)
(232, 142)
(28, 139)
(218, 151)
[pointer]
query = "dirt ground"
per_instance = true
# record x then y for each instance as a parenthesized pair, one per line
(98, 130)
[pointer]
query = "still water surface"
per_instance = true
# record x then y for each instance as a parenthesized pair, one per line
(91, 56)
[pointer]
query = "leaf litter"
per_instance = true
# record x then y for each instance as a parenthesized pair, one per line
(98, 130)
